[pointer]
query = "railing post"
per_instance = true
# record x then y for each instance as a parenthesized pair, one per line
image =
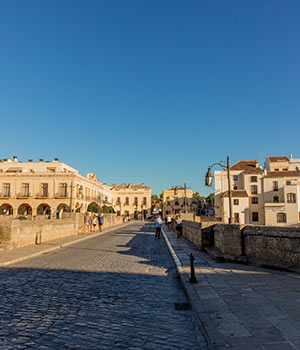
(193, 278)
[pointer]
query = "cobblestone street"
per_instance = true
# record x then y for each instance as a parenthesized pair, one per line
(115, 291)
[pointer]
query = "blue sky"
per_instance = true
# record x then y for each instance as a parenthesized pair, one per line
(149, 91)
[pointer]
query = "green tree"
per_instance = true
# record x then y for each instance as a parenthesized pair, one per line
(93, 208)
(154, 198)
(197, 195)
(210, 199)
(107, 209)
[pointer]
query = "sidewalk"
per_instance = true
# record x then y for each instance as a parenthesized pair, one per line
(240, 307)
(8, 257)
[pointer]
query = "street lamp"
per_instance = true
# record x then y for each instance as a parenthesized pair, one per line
(209, 180)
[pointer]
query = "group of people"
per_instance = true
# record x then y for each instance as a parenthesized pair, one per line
(168, 221)
(92, 221)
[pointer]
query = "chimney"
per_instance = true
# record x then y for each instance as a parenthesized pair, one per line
(41, 160)
(15, 158)
(291, 156)
(55, 160)
(29, 160)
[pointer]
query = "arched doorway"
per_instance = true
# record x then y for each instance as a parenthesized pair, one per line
(6, 209)
(24, 209)
(93, 207)
(43, 209)
(61, 209)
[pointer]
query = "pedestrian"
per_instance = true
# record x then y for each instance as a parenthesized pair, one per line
(158, 223)
(169, 222)
(100, 221)
(178, 227)
(87, 222)
(94, 223)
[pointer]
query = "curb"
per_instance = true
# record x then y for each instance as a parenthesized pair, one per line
(212, 338)
(59, 246)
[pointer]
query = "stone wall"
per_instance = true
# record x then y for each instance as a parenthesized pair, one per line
(276, 243)
(16, 233)
(192, 231)
(227, 238)
(246, 241)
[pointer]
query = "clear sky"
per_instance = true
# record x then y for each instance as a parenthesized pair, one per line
(149, 91)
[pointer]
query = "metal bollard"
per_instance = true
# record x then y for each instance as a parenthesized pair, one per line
(193, 278)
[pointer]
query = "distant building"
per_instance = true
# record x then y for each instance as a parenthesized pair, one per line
(131, 199)
(176, 200)
(269, 196)
(47, 188)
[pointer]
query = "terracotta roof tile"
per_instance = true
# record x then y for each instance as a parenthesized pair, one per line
(278, 159)
(129, 187)
(274, 174)
(236, 193)
(246, 165)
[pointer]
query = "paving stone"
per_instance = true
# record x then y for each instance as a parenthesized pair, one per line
(115, 291)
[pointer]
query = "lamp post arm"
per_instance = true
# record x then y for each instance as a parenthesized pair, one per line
(221, 165)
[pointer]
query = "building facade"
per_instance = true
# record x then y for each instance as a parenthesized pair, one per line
(268, 196)
(176, 200)
(131, 199)
(47, 188)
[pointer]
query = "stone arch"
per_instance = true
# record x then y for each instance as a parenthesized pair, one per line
(24, 209)
(61, 208)
(93, 207)
(6, 209)
(43, 209)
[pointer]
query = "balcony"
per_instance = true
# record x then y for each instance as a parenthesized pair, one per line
(42, 195)
(23, 195)
(274, 204)
(61, 195)
(5, 195)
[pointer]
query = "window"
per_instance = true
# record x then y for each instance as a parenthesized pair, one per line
(235, 177)
(176, 202)
(25, 190)
(288, 183)
(254, 189)
(253, 178)
(276, 169)
(281, 217)
(63, 190)
(6, 188)
(118, 200)
(254, 200)
(236, 202)
(136, 201)
(254, 217)
(145, 201)
(275, 199)
(275, 185)
(291, 197)
(235, 187)
(236, 218)
(284, 169)
(44, 188)
(127, 201)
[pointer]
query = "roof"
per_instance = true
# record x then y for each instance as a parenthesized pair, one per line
(273, 174)
(129, 187)
(279, 159)
(236, 193)
(247, 166)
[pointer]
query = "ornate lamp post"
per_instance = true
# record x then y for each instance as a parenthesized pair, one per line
(209, 180)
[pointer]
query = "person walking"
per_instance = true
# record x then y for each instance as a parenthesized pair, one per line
(87, 222)
(94, 223)
(178, 228)
(158, 223)
(100, 221)
(169, 222)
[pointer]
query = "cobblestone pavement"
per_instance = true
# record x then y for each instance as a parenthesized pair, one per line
(252, 308)
(116, 291)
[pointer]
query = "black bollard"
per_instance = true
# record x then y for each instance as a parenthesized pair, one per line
(193, 278)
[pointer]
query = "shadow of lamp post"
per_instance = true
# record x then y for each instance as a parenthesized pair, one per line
(209, 180)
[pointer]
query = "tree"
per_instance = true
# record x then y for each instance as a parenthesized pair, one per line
(197, 195)
(210, 199)
(154, 198)
(107, 209)
(93, 208)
